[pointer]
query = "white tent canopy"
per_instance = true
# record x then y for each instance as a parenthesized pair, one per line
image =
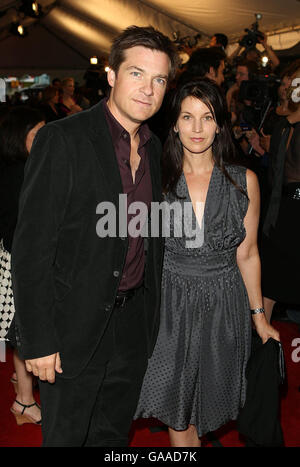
(74, 30)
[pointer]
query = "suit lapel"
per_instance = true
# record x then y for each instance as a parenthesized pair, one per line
(104, 150)
(154, 171)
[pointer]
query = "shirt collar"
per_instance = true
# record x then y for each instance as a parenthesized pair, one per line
(118, 131)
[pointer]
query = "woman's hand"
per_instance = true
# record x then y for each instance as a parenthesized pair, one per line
(75, 109)
(264, 329)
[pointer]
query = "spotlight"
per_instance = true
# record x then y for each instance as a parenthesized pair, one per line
(94, 60)
(107, 69)
(18, 30)
(30, 8)
(265, 60)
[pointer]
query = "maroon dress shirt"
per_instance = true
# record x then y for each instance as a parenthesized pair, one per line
(139, 190)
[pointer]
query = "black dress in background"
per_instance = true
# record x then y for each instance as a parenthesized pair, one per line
(280, 248)
(11, 180)
(49, 114)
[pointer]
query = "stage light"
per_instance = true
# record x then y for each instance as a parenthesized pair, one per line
(107, 69)
(265, 60)
(18, 30)
(94, 60)
(35, 7)
(30, 8)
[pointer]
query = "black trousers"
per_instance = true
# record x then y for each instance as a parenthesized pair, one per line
(96, 408)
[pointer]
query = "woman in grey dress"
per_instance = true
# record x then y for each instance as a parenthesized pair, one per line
(195, 380)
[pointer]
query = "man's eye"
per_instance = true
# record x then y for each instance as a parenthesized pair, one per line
(136, 74)
(161, 81)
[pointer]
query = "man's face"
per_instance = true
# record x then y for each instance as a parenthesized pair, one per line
(217, 76)
(213, 42)
(241, 74)
(139, 86)
(220, 73)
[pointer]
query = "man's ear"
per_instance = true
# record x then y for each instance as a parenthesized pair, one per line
(111, 77)
(211, 73)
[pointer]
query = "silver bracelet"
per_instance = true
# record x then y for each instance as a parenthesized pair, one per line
(256, 311)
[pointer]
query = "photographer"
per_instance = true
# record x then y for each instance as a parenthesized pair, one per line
(219, 40)
(253, 54)
(245, 70)
(205, 63)
(261, 143)
(280, 253)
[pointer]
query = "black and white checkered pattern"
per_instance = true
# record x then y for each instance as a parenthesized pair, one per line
(7, 308)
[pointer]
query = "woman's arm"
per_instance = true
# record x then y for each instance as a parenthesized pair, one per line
(248, 260)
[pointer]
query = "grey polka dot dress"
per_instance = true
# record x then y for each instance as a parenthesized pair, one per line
(196, 374)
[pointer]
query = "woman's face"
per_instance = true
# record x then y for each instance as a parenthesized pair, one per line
(31, 135)
(69, 88)
(55, 98)
(284, 85)
(196, 126)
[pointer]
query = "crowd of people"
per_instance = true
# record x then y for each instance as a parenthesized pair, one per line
(73, 322)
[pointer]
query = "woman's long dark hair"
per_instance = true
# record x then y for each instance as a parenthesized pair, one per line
(223, 149)
(14, 129)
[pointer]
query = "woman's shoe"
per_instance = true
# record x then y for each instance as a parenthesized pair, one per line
(22, 418)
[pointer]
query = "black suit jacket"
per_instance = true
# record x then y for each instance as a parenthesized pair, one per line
(65, 278)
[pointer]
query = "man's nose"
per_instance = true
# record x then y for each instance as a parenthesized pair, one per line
(147, 87)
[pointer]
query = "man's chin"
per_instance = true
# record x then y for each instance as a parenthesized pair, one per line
(141, 117)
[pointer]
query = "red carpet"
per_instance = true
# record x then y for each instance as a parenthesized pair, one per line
(141, 435)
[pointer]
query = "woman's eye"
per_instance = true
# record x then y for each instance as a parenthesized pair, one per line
(186, 117)
(208, 118)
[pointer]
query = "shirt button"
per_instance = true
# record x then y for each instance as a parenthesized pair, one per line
(116, 273)
(107, 308)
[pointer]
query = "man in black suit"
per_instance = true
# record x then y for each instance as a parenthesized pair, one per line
(87, 307)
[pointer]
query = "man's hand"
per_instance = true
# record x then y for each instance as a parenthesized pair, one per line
(45, 367)
(263, 40)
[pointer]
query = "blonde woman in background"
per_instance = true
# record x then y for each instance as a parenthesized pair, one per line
(67, 103)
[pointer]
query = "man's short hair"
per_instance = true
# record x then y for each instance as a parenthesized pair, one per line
(203, 59)
(221, 39)
(252, 67)
(148, 37)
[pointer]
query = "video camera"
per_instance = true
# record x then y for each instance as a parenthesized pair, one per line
(262, 92)
(253, 35)
(259, 90)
